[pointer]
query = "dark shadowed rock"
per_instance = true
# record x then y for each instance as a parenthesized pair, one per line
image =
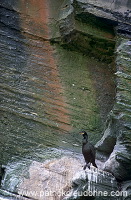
(119, 162)
(126, 186)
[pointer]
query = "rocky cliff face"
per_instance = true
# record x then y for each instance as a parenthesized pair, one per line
(37, 108)
(115, 144)
(116, 15)
(118, 131)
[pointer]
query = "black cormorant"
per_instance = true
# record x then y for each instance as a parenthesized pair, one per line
(88, 151)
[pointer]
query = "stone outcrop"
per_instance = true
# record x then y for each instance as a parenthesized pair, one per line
(93, 184)
(61, 178)
(80, 34)
(88, 26)
(118, 130)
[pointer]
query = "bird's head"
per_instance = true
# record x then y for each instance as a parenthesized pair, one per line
(84, 133)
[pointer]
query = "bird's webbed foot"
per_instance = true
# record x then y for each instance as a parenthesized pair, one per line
(86, 165)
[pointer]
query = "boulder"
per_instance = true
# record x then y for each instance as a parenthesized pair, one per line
(56, 179)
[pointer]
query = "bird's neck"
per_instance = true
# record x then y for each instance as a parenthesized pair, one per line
(85, 140)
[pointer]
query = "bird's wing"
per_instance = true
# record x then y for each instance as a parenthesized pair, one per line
(93, 151)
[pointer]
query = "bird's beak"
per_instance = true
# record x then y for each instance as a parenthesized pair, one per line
(81, 133)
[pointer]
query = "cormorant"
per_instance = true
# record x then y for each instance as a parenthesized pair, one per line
(88, 151)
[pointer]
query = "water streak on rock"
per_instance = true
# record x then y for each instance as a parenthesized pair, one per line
(31, 82)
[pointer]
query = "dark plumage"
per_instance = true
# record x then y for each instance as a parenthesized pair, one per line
(88, 151)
